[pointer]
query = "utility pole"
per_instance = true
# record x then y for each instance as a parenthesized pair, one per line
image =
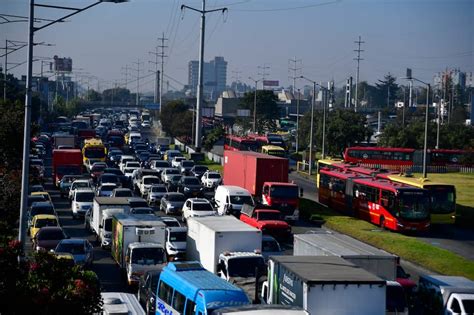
(162, 56)
(157, 78)
(199, 100)
(137, 101)
(294, 65)
(297, 120)
(263, 73)
(358, 50)
(126, 68)
(255, 105)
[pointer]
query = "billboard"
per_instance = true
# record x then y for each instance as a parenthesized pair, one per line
(271, 83)
(61, 64)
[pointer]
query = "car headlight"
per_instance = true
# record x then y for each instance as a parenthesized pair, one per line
(38, 248)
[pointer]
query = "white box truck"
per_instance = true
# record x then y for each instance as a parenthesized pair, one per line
(229, 248)
(95, 220)
(138, 244)
(323, 285)
(326, 243)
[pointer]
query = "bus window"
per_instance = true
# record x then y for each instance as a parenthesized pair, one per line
(388, 201)
(190, 308)
(178, 301)
(165, 293)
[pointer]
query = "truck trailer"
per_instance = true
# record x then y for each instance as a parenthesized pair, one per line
(66, 162)
(323, 285)
(138, 244)
(228, 247)
(265, 177)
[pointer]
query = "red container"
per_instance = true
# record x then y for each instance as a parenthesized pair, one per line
(66, 161)
(250, 170)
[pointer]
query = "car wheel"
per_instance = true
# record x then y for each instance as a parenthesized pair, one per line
(382, 223)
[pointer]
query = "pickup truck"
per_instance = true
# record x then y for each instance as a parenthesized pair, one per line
(266, 220)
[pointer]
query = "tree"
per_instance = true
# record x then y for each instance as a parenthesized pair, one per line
(213, 136)
(387, 91)
(93, 96)
(176, 119)
(266, 110)
(121, 95)
(44, 284)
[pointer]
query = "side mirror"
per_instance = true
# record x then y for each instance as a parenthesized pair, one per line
(127, 259)
(301, 192)
(100, 226)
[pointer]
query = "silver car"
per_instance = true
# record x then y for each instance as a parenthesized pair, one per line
(155, 193)
(172, 202)
(82, 250)
(165, 175)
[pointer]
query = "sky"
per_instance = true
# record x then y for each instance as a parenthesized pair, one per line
(425, 35)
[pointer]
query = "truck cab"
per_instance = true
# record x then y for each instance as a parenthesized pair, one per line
(242, 269)
(268, 221)
(282, 196)
(230, 199)
(141, 257)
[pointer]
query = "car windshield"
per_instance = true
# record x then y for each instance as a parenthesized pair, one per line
(80, 185)
(414, 205)
(161, 164)
(133, 164)
(84, 196)
(138, 203)
(176, 198)
(108, 178)
(175, 178)
(151, 180)
(128, 170)
(72, 248)
(191, 181)
(42, 210)
(214, 175)
(187, 163)
(148, 256)
(270, 246)
(107, 187)
(46, 222)
(123, 193)
(98, 168)
(171, 223)
(178, 236)
(172, 171)
(241, 199)
(46, 235)
(200, 169)
(202, 206)
(264, 215)
(284, 191)
(468, 306)
(158, 189)
(245, 267)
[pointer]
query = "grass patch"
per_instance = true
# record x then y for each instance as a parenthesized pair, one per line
(213, 166)
(464, 194)
(439, 260)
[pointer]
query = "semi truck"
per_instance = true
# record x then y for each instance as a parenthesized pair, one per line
(323, 285)
(265, 177)
(138, 244)
(101, 225)
(66, 162)
(229, 248)
(446, 295)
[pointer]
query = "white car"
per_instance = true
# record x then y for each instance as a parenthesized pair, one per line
(82, 201)
(78, 184)
(197, 207)
(106, 189)
(133, 164)
(146, 124)
(155, 193)
(211, 179)
(146, 183)
(167, 173)
(124, 159)
(128, 171)
(176, 162)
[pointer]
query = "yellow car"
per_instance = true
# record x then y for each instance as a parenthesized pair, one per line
(67, 257)
(40, 221)
(45, 194)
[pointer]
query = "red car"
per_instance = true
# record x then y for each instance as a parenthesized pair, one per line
(267, 220)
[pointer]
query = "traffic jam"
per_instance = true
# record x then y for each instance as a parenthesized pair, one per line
(168, 232)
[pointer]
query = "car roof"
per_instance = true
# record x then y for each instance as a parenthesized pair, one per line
(41, 204)
(198, 200)
(73, 240)
(84, 190)
(44, 216)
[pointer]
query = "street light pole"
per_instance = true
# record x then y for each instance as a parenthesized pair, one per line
(310, 167)
(255, 106)
(297, 120)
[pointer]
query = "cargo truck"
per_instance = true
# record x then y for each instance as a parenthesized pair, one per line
(229, 248)
(265, 177)
(64, 139)
(323, 285)
(446, 295)
(99, 224)
(138, 244)
(66, 162)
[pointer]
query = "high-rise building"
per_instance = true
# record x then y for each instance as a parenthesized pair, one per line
(214, 77)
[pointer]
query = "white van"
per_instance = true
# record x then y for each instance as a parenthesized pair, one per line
(229, 199)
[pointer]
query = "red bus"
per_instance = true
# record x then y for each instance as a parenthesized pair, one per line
(235, 143)
(269, 139)
(444, 157)
(390, 205)
(376, 156)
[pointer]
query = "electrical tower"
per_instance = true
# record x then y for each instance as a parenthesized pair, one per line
(126, 68)
(138, 63)
(262, 71)
(358, 50)
(295, 66)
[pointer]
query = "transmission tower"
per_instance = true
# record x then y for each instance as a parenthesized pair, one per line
(358, 50)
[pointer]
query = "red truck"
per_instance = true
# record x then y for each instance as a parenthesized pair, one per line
(66, 162)
(265, 177)
(266, 220)
(83, 134)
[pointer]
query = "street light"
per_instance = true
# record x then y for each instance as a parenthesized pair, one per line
(310, 167)
(28, 99)
(255, 105)
(323, 145)
(425, 145)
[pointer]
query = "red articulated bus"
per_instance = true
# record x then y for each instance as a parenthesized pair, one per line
(444, 157)
(236, 143)
(394, 158)
(269, 139)
(394, 206)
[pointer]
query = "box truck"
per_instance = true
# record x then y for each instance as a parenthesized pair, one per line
(326, 243)
(323, 285)
(66, 139)
(66, 162)
(265, 177)
(138, 244)
(229, 248)
(102, 226)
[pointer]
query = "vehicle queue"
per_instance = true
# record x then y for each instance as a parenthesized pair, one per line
(141, 178)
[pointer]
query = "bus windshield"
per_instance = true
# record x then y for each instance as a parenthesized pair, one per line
(414, 205)
(94, 153)
(442, 199)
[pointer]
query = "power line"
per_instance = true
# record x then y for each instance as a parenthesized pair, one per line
(358, 50)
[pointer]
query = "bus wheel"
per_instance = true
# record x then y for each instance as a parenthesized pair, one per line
(382, 223)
